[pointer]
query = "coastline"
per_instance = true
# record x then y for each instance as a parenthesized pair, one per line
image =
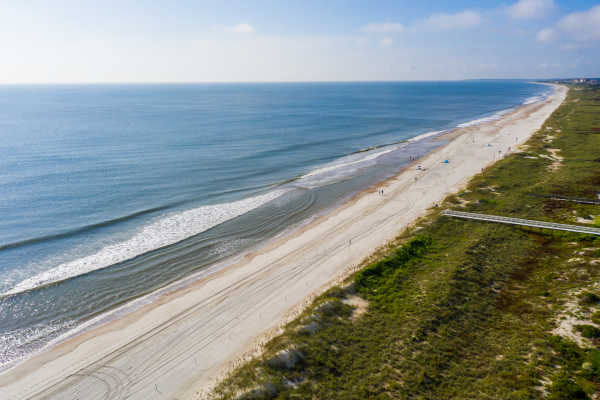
(319, 253)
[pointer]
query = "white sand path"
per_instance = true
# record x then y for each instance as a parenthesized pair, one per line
(177, 346)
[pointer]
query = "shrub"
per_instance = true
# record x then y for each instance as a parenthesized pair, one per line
(267, 391)
(332, 308)
(310, 328)
(336, 292)
(286, 359)
(488, 201)
(593, 360)
(588, 331)
(596, 317)
(564, 388)
(569, 351)
(371, 275)
(589, 298)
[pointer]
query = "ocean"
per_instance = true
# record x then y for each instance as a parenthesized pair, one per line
(111, 195)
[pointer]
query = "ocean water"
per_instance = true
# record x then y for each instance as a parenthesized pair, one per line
(109, 193)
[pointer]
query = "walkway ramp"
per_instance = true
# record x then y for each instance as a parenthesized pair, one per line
(565, 198)
(522, 222)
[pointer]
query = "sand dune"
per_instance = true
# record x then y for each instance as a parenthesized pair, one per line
(177, 346)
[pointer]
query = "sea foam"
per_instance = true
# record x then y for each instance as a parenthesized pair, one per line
(343, 164)
(17, 345)
(163, 231)
(535, 99)
(494, 117)
(425, 136)
(342, 168)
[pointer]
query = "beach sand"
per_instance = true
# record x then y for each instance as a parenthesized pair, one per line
(176, 347)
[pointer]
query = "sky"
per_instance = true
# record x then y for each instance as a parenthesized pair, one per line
(114, 41)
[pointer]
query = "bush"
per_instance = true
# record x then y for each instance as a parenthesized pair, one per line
(286, 359)
(333, 308)
(592, 363)
(596, 317)
(564, 388)
(267, 391)
(588, 331)
(371, 275)
(336, 292)
(588, 298)
(487, 201)
(569, 351)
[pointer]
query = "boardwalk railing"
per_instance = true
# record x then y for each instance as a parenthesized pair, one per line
(522, 222)
(564, 198)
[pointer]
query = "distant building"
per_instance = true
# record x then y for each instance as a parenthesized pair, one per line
(579, 81)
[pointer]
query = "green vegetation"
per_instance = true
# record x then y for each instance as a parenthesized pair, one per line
(589, 298)
(596, 317)
(588, 331)
(463, 309)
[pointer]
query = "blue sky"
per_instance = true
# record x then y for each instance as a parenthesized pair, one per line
(222, 41)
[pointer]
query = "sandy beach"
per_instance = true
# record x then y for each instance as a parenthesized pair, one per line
(178, 346)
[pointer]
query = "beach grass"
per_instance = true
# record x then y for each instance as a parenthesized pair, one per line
(457, 309)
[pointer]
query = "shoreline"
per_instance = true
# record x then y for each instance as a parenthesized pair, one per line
(139, 330)
(41, 279)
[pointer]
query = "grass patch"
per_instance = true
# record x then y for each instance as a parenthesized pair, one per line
(564, 388)
(589, 299)
(588, 331)
(596, 317)
(462, 309)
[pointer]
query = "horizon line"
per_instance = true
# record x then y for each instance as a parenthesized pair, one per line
(281, 82)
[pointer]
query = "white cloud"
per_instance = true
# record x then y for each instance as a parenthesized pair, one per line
(386, 42)
(36, 48)
(385, 27)
(243, 28)
(582, 26)
(464, 19)
(545, 35)
(531, 8)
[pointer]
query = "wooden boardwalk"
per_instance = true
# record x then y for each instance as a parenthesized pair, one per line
(522, 222)
(564, 198)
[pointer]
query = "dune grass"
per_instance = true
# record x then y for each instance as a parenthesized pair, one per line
(464, 309)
